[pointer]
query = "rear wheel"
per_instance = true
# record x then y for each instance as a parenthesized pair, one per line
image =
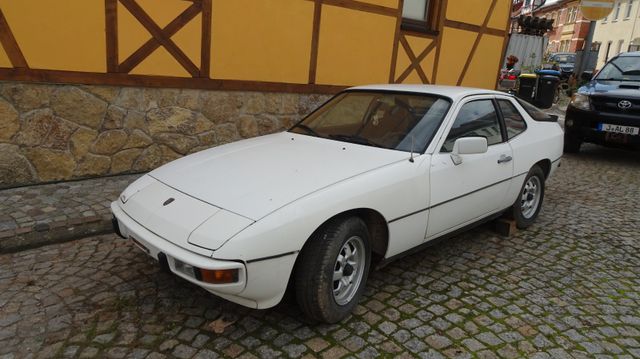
(528, 204)
(571, 143)
(333, 270)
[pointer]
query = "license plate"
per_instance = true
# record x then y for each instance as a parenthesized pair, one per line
(627, 130)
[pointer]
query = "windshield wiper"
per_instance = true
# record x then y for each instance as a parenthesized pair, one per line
(356, 139)
(309, 130)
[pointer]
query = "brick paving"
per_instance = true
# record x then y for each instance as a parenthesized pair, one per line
(567, 287)
(37, 215)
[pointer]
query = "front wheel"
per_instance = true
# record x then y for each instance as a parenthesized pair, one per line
(528, 204)
(331, 274)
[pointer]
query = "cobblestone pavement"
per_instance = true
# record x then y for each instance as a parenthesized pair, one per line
(567, 287)
(39, 214)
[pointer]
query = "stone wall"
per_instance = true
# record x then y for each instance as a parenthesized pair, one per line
(63, 132)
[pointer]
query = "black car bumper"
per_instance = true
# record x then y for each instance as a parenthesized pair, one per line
(584, 126)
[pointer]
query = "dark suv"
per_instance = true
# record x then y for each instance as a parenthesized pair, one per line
(566, 62)
(606, 111)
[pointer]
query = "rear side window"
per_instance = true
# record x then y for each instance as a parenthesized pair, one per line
(475, 119)
(513, 120)
(535, 112)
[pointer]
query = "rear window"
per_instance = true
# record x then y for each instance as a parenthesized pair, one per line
(535, 112)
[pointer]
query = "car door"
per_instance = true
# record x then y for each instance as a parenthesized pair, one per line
(464, 193)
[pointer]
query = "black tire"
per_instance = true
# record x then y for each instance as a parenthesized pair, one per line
(571, 143)
(525, 218)
(314, 276)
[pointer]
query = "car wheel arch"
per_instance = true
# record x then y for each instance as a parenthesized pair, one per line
(545, 166)
(376, 224)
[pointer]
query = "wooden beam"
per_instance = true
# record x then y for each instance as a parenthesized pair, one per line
(415, 63)
(205, 50)
(120, 79)
(10, 44)
(111, 22)
(396, 42)
(425, 35)
(418, 60)
(152, 44)
(505, 43)
(474, 28)
(315, 41)
(477, 42)
(361, 6)
(157, 33)
(436, 61)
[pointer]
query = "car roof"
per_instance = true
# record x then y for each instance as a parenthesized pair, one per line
(630, 54)
(453, 92)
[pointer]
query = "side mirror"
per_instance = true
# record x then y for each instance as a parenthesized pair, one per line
(586, 76)
(468, 146)
(554, 118)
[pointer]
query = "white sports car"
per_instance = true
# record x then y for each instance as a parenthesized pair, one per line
(375, 173)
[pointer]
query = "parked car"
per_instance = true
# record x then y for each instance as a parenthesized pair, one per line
(375, 173)
(566, 62)
(606, 111)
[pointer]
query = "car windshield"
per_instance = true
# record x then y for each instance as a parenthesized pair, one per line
(626, 68)
(399, 121)
(565, 59)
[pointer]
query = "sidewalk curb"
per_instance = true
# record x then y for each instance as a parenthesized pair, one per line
(44, 234)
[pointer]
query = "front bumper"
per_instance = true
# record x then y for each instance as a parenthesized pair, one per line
(583, 125)
(173, 257)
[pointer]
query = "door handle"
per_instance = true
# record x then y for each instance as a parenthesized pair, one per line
(504, 159)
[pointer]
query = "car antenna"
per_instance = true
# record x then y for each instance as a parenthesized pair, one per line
(411, 158)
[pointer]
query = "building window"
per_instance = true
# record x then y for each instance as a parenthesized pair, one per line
(572, 15)
(620, 43)
(570, 18)
(634, 45)
(420, 15)
(606, 55)
(629, 7)
(616, 12)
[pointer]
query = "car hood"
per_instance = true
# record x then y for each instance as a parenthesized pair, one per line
(255, 177)
(617, 89)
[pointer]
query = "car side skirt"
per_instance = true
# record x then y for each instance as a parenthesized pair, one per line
(439, 239)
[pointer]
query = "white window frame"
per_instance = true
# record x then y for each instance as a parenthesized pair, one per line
(629, 8)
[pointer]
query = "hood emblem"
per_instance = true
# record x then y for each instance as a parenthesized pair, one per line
(624, 104)
(168, 202)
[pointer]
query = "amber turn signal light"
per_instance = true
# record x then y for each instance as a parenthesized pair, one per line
(219, 276)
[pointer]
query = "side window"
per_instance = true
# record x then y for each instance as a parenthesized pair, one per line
(475, 119)
(512, 119)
